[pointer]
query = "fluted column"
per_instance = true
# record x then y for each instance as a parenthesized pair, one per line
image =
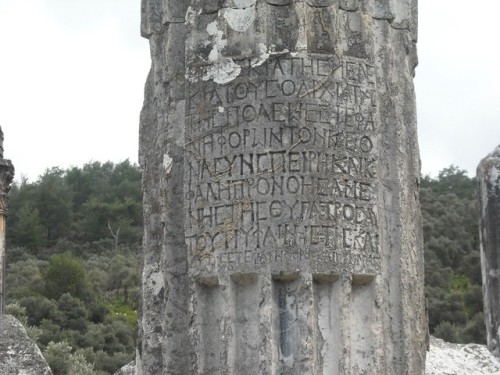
(488, 178)
(282, 224)
(6, 177)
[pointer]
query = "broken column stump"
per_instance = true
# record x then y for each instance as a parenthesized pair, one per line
(282, 224)
(6, 178)
(488, 178)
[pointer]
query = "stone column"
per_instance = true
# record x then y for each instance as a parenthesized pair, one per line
(282, 224)
(488, 178)
(6, 177)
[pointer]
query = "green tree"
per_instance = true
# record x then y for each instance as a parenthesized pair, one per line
(62, 362)
(123, 276)
(39, 308)
(74, 313)
(58, 356)
(24, 278)
(106, 219)
(21, 195)
(65, 274)
(54, 201)
(27, 231)
(79, 366)
(107, 202)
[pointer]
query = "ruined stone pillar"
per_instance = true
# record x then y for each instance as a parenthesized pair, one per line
(6, 177)
(488, 178)
(282, 224)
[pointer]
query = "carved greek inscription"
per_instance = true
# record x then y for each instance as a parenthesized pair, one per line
(281, 166)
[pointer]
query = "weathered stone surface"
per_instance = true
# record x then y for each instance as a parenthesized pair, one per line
(128, 369)
(6, 177)
(282, 224)
(456, 359)
(18, 354)
(488, 177)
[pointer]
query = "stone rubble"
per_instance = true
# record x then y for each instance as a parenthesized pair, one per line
(19, 355)
(128, 369)
(456, 359)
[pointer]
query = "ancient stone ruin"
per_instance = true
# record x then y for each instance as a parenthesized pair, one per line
(488, 177)
(19, 355)
(6, 177)
(282, 224)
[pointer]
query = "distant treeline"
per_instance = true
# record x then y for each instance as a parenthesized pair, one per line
(78, 204)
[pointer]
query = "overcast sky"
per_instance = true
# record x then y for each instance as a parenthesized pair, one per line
(72, 75)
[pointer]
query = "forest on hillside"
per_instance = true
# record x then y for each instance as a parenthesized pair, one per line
(452, 261)
(74, 262)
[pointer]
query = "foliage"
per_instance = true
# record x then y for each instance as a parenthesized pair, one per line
(102, 329)
(58, 357)
(28, 229)
(73, 265)
(25, 276)
(65, 274)
(77, 204)
(62, 362)
(452, 261)
(53, 199)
